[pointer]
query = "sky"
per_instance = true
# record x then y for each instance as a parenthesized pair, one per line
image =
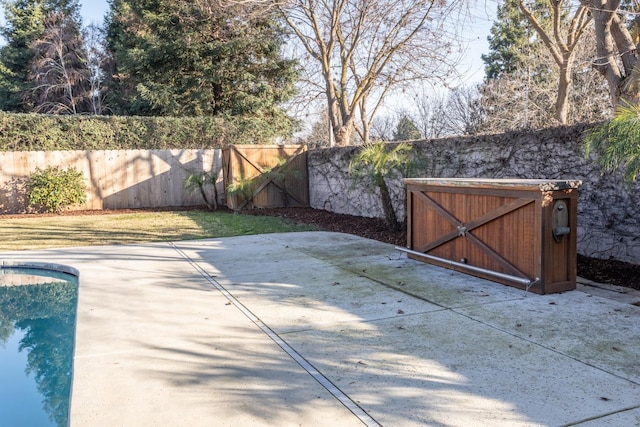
(93, 11)
(477, 31)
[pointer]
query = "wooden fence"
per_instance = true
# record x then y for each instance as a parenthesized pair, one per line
(114, 179)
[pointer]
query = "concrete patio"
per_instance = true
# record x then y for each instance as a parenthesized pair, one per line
(328, 329)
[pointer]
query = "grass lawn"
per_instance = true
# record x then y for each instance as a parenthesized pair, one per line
(109, 229)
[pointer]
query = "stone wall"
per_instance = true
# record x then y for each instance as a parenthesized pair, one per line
(608, 209)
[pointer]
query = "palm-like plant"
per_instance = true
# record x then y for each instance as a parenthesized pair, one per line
(245, 188)
(196, 181)
(618, 142)
(377, 161)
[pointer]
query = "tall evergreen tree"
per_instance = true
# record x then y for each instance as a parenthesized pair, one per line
(507, 42)
(24, 25)
(512, 38)
(406, 130)
(182, 58)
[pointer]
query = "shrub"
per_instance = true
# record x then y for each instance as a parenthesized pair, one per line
(616, 142)
(244, 190)
(53, 189)
(43, 132)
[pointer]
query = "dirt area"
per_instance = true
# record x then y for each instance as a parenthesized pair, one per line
(598, 270)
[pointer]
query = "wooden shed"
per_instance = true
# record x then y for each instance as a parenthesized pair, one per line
(517, 232)
(265, 176)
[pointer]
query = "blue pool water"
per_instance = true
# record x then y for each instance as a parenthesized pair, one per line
(37, 325)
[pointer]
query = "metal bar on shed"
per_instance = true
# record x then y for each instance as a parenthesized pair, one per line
(520, 280)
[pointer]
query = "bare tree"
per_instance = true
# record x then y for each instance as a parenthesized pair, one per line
(430, 114)
(561, 41)
(617, 56)
(522, 99)
(318, 136)
(98, 59)
(589, 99)
(58, 70)
(382, 127)
(365, 49)
(465, 115)
(457, 112)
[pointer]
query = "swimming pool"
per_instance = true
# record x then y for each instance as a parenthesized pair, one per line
(37, 324)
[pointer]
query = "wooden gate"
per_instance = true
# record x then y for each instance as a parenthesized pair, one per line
(517, 232)
(266, 176)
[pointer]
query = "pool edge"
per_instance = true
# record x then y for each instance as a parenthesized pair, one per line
(61, 268)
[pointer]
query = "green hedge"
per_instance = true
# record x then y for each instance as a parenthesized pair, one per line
(40, 132)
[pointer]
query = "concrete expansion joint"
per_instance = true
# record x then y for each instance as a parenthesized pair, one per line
(551, 349)
(613, 292)
(390, 286)
(336, 392)
(601, 416)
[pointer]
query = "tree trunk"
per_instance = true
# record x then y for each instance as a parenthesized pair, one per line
(215, 192)
(613, 40)
(605, 56)
(387, 206)
(366, 124)
(205, 198)
(343, 133)
(562, 98)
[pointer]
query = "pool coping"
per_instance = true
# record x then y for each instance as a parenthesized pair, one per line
(45, 266)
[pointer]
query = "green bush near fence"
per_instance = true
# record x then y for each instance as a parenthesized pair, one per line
(54, 190)
(41, 132)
